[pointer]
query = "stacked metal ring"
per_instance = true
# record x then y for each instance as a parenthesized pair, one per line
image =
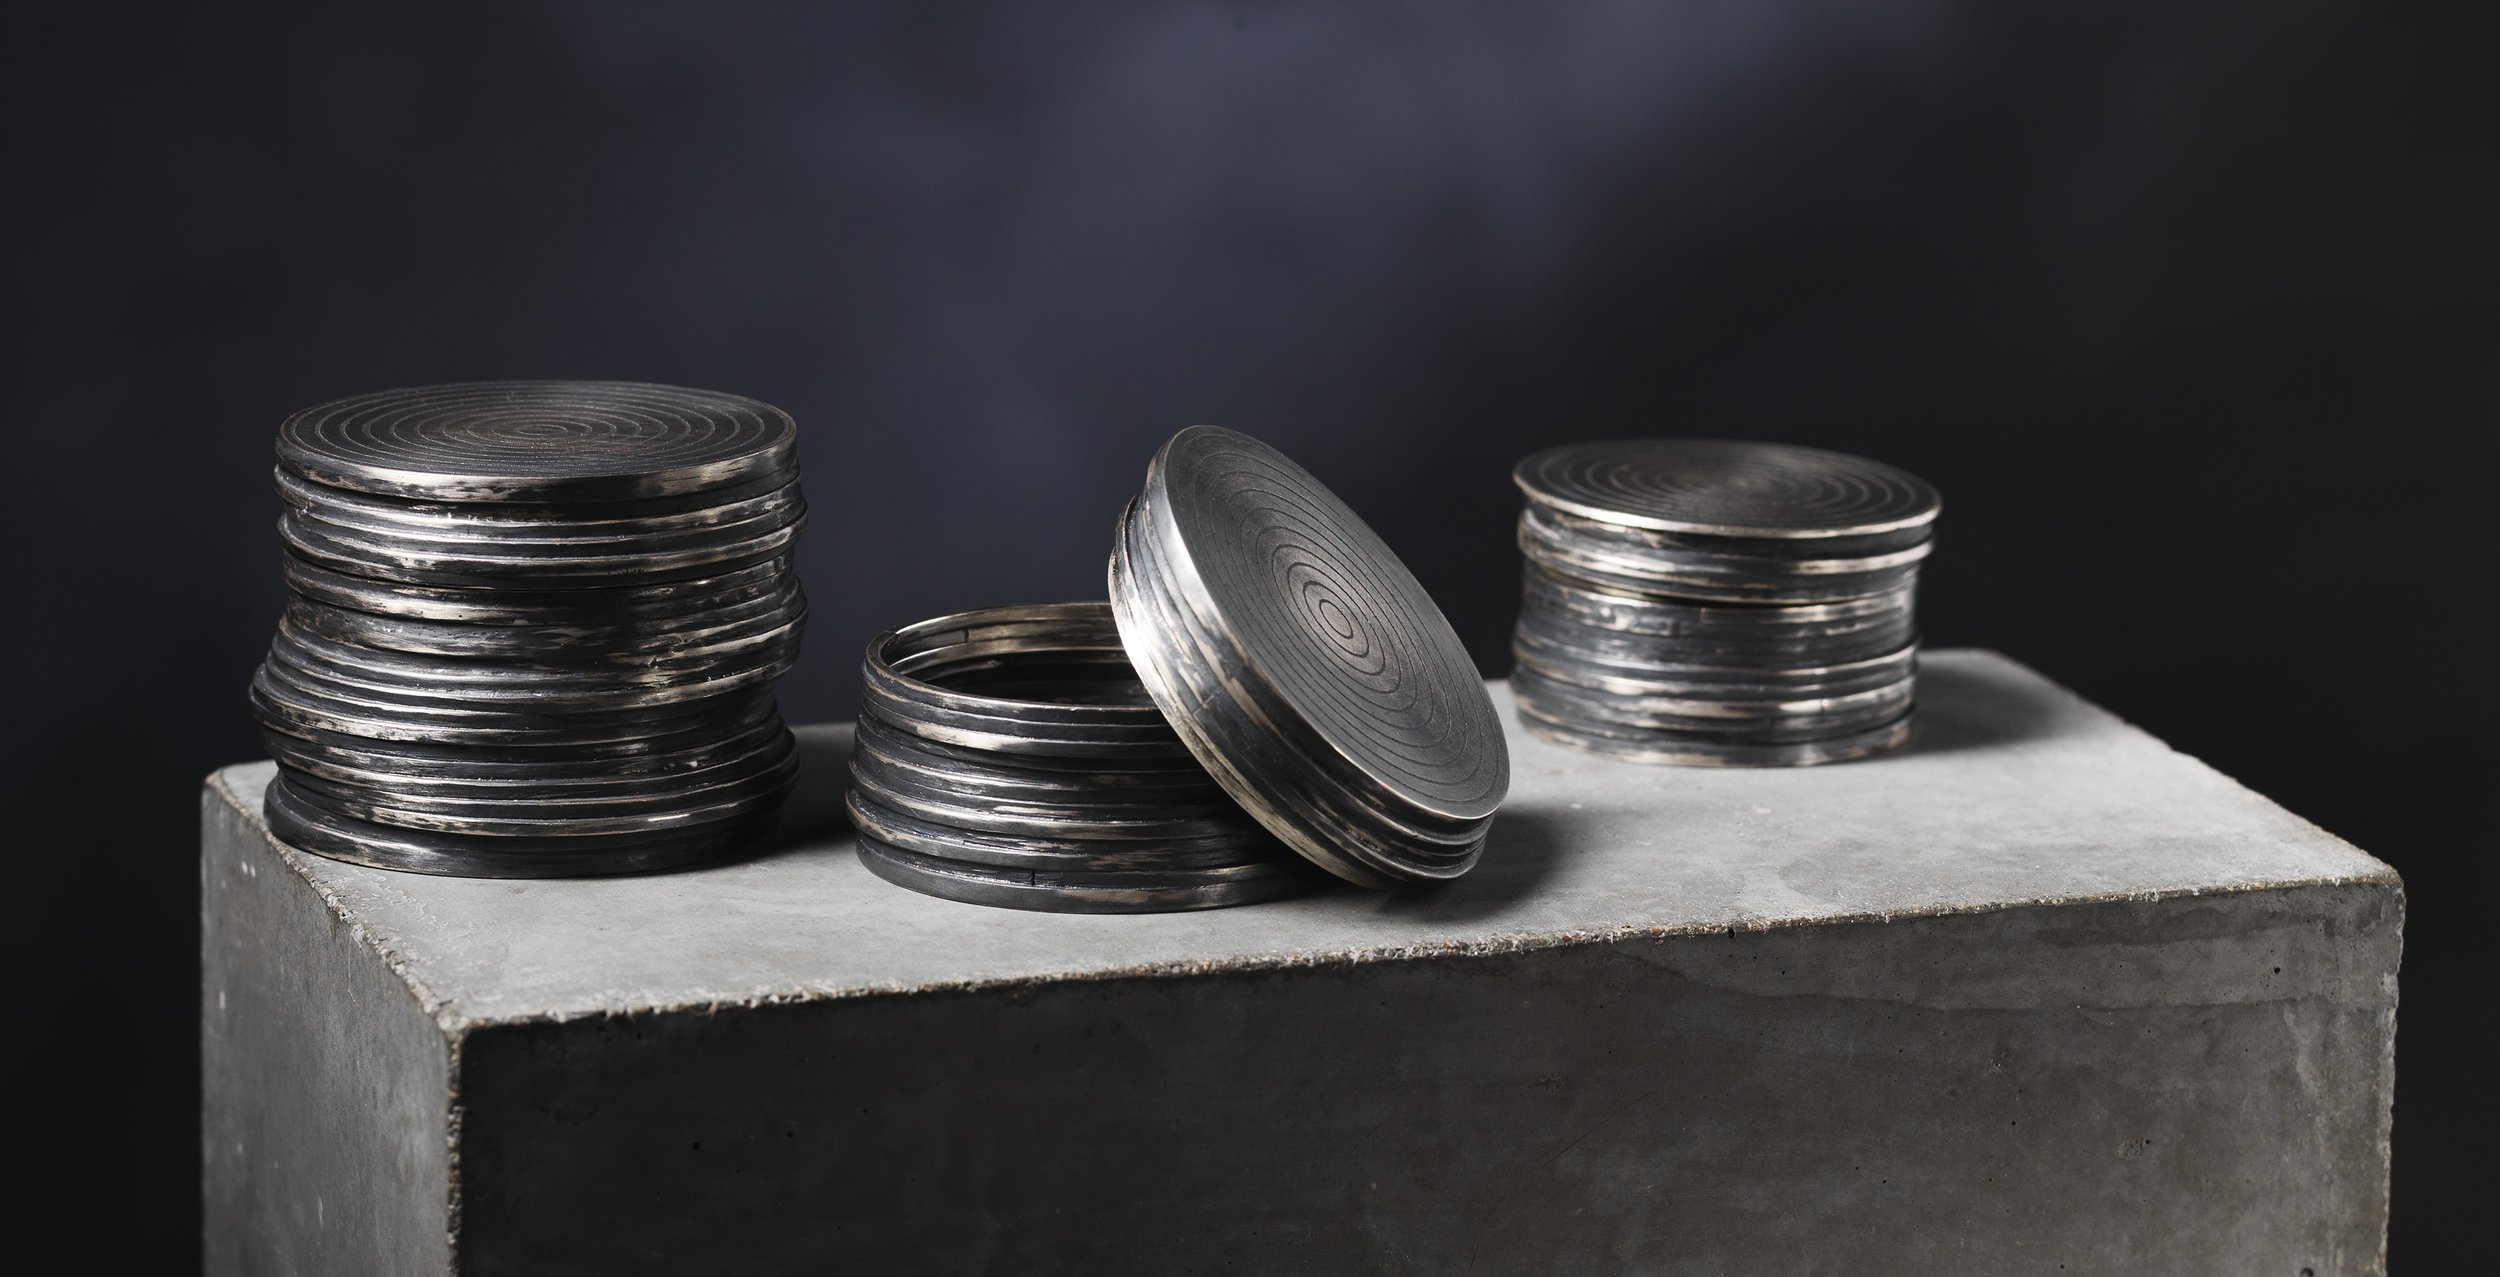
(535, 628)
(1304, 665)
(1715, 603)
(1011, 757)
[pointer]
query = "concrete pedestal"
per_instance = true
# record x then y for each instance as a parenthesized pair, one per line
(2037, 995)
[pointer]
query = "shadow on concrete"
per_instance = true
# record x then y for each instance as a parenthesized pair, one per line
(1960, 709)
(814, 813)
(1525, 848)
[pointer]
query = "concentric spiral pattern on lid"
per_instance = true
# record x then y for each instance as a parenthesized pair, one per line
(1727, 488)
(528, 441)
(1304, 665)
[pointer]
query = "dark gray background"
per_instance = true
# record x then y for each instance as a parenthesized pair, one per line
(2186, 308)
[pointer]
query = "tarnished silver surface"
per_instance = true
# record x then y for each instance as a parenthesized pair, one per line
(1842, 630)
(535, 628)
(316, 828)
(541, 561)
(1728, 488)
(1768, 717)
(572, 442)
(1304, 665)
(1648, 668)
(1678, 749)
(456, 771)
(1079, 892)
(678, 678)
(603, 606)
(1713, 603)
(1011, 757)
(753, 623)
(1657, 563)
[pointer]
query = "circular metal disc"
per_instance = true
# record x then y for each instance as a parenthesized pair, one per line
(1040, 679)
(539, 441)
(1636, 746)
(877, 814)
(1304, 665)
(1802, 718)
(1717, 603)
(1782, 634)
(1178, 802)
(652, 812)
(307, 824)
(535, 627)
(693, 515)
(360, 742)
(1588, 551)
(1081, 892)
(288, 701)
(1009, 757)
(1727, 488)
(592, 607)
(722, 632)
(381, 764)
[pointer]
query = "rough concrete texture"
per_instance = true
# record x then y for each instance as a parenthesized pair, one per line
(2037, 992)
(322, 1137)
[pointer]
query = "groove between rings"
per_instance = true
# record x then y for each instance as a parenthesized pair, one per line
(1233, 575)
(1712, 603)
(1010, 757)
(535, 628)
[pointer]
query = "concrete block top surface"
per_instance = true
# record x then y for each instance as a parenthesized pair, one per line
(2015, 792)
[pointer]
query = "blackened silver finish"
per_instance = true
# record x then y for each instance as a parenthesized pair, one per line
(602, 444)
(1691, 749)
(1710, 603)
(760, 621)
(1842, 630)
(1752, 492)
(318, 828)
(633, 606)
(535, 628)
(1676, 567)
(1303, 664)
(1011, 757)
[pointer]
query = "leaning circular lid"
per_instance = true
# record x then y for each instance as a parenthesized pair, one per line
(1719, 487)
(1303, 664)
(540, 441)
